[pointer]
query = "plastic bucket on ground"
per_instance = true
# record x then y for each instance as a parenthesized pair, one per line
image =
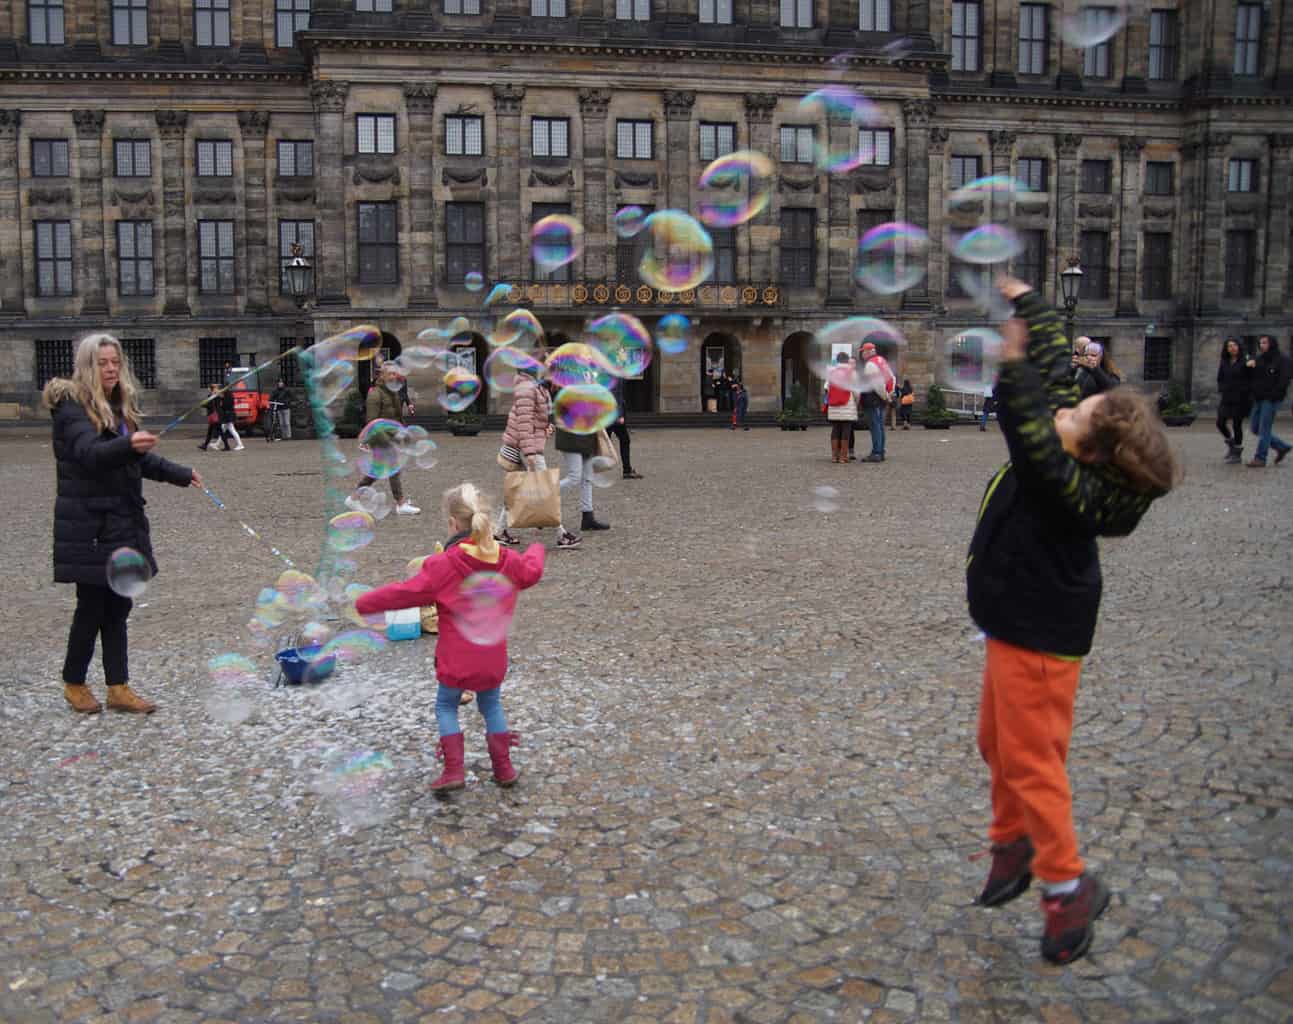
(297, 668)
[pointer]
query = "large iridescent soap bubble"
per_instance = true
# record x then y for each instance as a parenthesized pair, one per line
(505, 367)
(622, 344)
(128, 572)
(584, 408)
(629, 220)
(735, 188)
(833, 104)
(677, 254)
(460, 389)
(892, 258)
(355, 344)
(555, 241)
(576, 363)
(986, 244)
(380, 455)
(1092, 24)
(673, 333)
(519, 329)
(971, 359)
(847, 336)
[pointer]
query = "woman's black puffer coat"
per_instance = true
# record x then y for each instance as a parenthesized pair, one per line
(100, 502)
(1235, 387)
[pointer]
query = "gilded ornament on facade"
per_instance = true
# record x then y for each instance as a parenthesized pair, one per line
(600, 294)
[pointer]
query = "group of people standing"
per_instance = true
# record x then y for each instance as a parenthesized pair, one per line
(1252, 386)
(858, 392)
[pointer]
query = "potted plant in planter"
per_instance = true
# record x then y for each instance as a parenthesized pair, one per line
(1174, 409)
(794, 411)
(936, 416)
(464, 424)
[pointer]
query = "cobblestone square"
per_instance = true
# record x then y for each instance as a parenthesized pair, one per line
(749, 791)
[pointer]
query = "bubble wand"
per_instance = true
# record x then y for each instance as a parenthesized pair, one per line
(232, 384)
(247, 529)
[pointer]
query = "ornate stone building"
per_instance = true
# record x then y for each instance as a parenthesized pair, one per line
(158, 158)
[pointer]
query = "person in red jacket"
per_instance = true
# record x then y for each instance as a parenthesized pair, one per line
(471, 652)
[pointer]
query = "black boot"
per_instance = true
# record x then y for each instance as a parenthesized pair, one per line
(590, 522)
(1236, 454)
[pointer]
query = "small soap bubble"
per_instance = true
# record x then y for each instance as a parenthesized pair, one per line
(519, 329)
(556, 240)
(482, 608)
(971, 359)
(421, 357)
(350, 531)
(678, 254)
(629, 220)
(300, 591)
(271, 608)
(499, 293)
(474, 281)
(892, 258)
(622, 344)
(351, 646)
(983, 189)
(316, 634)
(898, 48)
(988, 243)
(585, 408)
(978, 286)
(576, 363)
(380, 455)
(233, 670)
(834, 103)
(460, 389)
(505, 366)
(1091, 25)
(457, 327)
(128, 573)
(355, 344)
(673, 333)
(603, 470)
(735, 188)
(826, 499)
(330, 381)
(376, 503)
(352, 593)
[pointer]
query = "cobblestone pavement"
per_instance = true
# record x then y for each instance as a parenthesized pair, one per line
(750, 787)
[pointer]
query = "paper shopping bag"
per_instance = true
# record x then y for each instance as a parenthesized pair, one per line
(532, 499)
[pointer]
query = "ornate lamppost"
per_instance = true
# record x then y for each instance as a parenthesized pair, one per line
(1070, 286)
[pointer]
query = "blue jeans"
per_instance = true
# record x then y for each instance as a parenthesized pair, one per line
(1262, 425)
(489, 702)
(875, 423)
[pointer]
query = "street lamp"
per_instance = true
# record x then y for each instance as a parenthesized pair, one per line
(1070, 285)
(300, 275)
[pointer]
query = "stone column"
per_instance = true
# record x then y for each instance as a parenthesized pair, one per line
(1214, 221)
(12, 245)
(419, 104)
(329, 98)
(938, 259)
(512, 261)
(1066, 147)
(89, 150)
(842, 137)
(170, 45)
(762, 231)
(1133, 41)
(916, 173)
(172, 125)
(1277, 226)
(1003, 24)
(1129, 225)
(250, 40)
(1191, 221)
(256, 227)
(598, 244)
(677, 117)
(1002, 144)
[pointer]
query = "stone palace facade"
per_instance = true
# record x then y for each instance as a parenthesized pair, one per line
(159, 157)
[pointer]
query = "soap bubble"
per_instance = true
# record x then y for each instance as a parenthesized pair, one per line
(350, 531)
(898, 48)
(584, 408)
(461, 389)
(1091, 25)
(849, 335)
(971, 359)
(988, 243)
(128, 572)
(482, 608)
(672, 333)
(352, 593)
(356, 344)
(376, 503)
(576, 363)
(983, 189)
(826, 499)
(834, 103)
(380, 456)
(498, 293)
(474, 281)
(978, 286)
(351, 646)
(421, 357)
(520, 329)
(315, 634)
(603, 470)
(678, 254)
(622, 344)
(330, 380)
(271, 608)
(301, 592)
(556, 240)
(735, 188)
(357, 785)
(629, 220)
(504, 367)
(891, 258)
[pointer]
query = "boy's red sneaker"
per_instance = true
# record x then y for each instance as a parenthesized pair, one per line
(1070, 920)
(1010, 875)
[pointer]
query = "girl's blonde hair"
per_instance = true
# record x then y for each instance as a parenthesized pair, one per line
(470, 510)
(87, 385)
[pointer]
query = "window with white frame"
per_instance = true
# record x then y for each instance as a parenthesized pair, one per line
(373, 6)
(211, 22)
(1242, 176)
(632, 10)
(1159, 175)
(716, 140)
(633, 140)
(1096, 24)
(290, 17)
(1162, 45)
(1248, 39)
(215, 158)
(462, 6)
(129, 22)
(379, 247)
(967, 17)
(375, 133)
(464, 136)
(547, 8)
(49, 158)
(45, 22)
(132, 158)
(715, 12)
(215, 257)
(1032, 172)
(53, 257)
(796, 13)
(875, 15)
(135, 257)
(295, 158)
(464, 240)
(550, 136)
(796, 144)
(964, 169)
(875, 147)
(1032, 39)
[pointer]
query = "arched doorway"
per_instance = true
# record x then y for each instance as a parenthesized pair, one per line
(797, 377)
(366, 370)
(720, 363)
(470, 350)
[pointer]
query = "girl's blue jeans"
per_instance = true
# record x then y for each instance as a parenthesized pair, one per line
(489, 702)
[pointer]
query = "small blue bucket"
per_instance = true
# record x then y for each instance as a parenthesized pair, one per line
(297, 665)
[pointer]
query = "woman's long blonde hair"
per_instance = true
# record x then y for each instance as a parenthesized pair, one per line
(470, 510)
(87, 386)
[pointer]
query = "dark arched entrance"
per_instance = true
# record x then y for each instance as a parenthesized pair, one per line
(720, 363)
(797, 377)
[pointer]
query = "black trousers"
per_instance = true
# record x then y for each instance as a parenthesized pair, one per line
(99, 614)
(621, 432)
(213, 434)
(1235, 435)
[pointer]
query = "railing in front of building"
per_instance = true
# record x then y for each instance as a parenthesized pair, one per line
(735, 297)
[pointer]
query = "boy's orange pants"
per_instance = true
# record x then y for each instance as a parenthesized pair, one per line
(1025, 721)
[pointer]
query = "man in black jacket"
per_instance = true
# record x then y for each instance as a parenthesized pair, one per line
(1272, 372)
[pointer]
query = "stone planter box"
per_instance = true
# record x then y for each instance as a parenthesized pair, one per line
(1179, 421)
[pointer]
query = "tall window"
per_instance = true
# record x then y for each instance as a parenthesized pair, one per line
(290, 17)
(130, 22)
(537, 212)
(958, 272)
(293, 232)
(633, 10)
(462, 6)
(875, 147)
(295, 158)
(53, 257)
(796, 144)
(724, 255)
(1030, 264)
(1096, 177)
(132, 158)
(1158, 178)
(715, 12)
(1162, 45)
(211, 22)
(1156, 269)
(796, 13)
(1032, 39)
(1248, 39)
(628, 252)
(215, 257)
(716, 140)
(375, 133)
(374, 6)
(550, 136)
(49, 158)
(135, 257)
(464, 235)
(798, 247)
(464, 136)
(547, 8)
(1094, 246)
(379, 247)
(1096, 59)
(1241, 264)
(289, 368)
(141, 355)
(875, 15)
(966, 19)
(1032, 172)
(965, 169)
(53, 359)
(45, 22)
(633, 140)
(1158, 360)
(213, 354)
(215, 158)
(1242, 176)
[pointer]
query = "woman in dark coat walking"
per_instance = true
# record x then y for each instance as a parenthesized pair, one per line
(102, 458)
(1235, 397)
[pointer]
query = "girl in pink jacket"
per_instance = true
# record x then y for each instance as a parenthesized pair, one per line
(473, 586)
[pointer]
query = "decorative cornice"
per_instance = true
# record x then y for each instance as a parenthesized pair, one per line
(566, 177)
(799, 184)
(759, 106)
(419, 97)
(375, 170)
(9, 123)
(49, 196)
(209, 191)
(329, 97)
(917, 113)
(1241, 203)
(292, 190)
(678, 103)
(1130, 147)
(1158, 209)
(452, 177)
(594, 102)
(172, 123)
(1067, 145)
(507, 98)
(1218, 140)
(1002, 142)
(1096, 208)
(872, 181)
(254, 123)
(628, 179)
(89, 123)
(125, 195)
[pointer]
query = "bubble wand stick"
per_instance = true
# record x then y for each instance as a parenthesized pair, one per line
(232, 384)
(247, 529)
